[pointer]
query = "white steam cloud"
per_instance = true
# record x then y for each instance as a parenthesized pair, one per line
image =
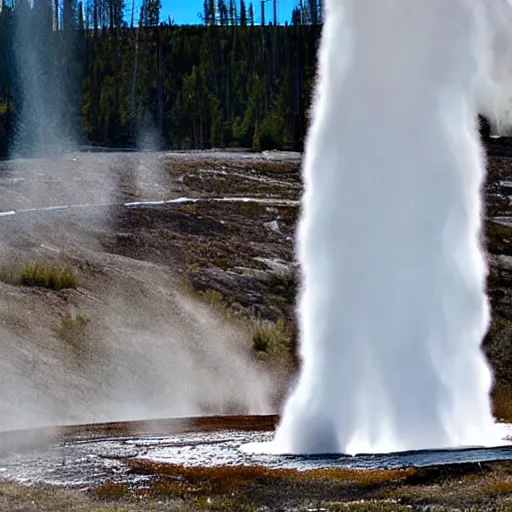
(393, 307)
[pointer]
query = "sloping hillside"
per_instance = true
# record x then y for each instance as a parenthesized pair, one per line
(133, 340)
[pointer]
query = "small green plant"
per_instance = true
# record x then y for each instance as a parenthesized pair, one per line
(8, 274)
(213, 297)
(222, 263)
(271, 337)
(216, 300)
(4, 108)
(48, 276)
(189, 207)
(73, 329)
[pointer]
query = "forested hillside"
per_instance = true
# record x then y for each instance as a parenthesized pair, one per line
(128, 80)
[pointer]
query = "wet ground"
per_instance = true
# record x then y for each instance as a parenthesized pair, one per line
(92, 455)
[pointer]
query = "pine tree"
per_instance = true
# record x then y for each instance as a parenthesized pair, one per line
(251, 15)
(229, 84)
(151, 12)
(243, 14)
(116, 8)
(223, 13)
(232, 12)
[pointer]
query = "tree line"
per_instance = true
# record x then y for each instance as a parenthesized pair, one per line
(125, 79)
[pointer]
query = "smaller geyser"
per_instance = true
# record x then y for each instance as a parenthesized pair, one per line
(393, 308)
(46, 94)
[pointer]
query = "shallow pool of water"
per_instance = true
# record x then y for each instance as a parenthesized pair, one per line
(84, 461)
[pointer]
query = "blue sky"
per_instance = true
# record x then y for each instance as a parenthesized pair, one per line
(185, 11)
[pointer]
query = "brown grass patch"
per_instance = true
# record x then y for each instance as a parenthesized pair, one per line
(112, 490)
(179, 480)
(168, 487)
(499, 238)
(502, 401)
(500, 487)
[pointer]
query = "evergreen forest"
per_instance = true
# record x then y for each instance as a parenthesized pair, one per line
(119, 76)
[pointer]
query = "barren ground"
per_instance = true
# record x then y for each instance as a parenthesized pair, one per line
(154, 347)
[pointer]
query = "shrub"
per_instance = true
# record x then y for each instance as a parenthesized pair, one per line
(48, 276)
(272, 337)
(271, 133)
(73, 329)
(213, 297)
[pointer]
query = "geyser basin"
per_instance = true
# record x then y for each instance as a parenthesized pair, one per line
(91, 454)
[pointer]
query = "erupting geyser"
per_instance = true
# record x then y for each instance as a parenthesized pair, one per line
(393, 307)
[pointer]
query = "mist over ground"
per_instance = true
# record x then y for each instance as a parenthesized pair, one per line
(152, 347)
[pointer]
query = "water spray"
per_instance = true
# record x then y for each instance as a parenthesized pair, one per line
(393, 308)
